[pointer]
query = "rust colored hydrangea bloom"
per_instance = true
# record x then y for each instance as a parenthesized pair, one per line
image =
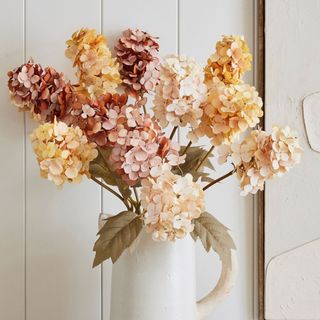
(43, 92)
(137, 53)
(108, 120)
(230, 61)
(98, 72)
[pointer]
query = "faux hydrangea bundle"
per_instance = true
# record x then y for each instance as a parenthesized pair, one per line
(101, 127)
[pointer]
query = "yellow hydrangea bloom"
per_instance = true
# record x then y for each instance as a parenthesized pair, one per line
(63, 152)
(229, 111)
(230, 61)
(98, 72)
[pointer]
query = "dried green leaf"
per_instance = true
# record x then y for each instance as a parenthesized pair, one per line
(116, 235)
(193, 157)
(101, 168)
(213, 234)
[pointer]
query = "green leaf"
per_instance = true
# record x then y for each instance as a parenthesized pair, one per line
(213, 234)
(116, 235)
(193, 157)
(102, 168)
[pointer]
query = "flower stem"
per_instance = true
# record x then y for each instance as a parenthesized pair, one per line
(204, 158)
(131, 202)
(173, 132)
(110, 190)
(230, 173)
(186, 148)
(137, 200)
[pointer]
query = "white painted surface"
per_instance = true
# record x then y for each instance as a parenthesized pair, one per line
(141, 280)
(292, 71)
(60, 226)
(12, 175)
(311, 115)
(161, 276)
(293, 282)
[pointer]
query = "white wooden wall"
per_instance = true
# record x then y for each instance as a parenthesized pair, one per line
(292, 203)
(46, 236)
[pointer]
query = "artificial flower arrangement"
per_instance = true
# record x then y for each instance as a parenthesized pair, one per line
(102, 128)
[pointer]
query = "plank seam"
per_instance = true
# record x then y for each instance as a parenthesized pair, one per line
(178, 49)
(24, 218)
(101, 199)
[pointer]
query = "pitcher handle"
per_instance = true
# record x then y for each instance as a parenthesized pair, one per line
(224, 285)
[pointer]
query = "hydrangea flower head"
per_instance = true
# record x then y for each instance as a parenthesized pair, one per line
(171, 203)
(63, 152)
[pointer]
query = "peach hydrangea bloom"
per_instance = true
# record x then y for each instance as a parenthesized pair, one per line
(180, 93)
(171, 202)
(98, 72)
(261, 156)
(228, 111)
(63, 152)
(230, 61)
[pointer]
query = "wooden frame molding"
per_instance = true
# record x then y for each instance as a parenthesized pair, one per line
(260, 198)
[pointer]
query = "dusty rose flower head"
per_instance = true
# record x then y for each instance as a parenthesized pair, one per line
(260, 157)
(98, 72)
(63, 152)
(171, 203)
(137, 54)
(43, 92)
(180, 93)
(228, 111)
(144, 151)
(230, 61)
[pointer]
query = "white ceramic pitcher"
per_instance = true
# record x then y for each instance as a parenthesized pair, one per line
(156, 281)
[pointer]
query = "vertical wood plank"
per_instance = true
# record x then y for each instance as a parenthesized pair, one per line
(61, 225)
(159, 18)
(12, 165)
(201, 26)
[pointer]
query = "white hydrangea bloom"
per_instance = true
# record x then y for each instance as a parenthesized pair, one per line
(180, 92)
(171, 203)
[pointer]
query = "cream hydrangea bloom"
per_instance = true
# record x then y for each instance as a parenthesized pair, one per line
(171, 203)
(98, 72)
(230, 61)
(63, 152)
(260, 157)
(180, 92)
(229, 111)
